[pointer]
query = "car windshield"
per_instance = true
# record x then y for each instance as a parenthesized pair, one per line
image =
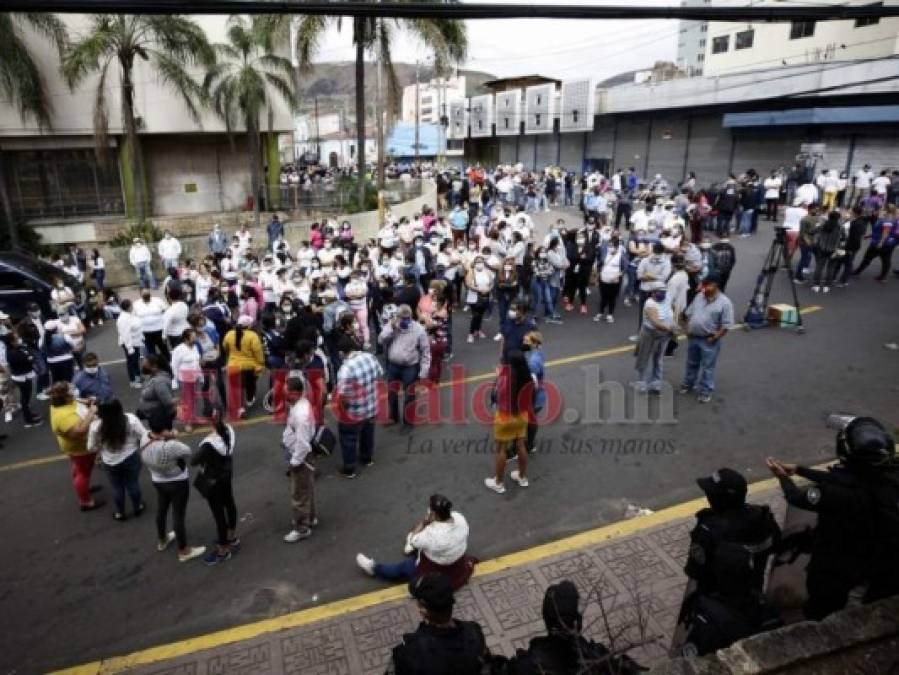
(36, 267)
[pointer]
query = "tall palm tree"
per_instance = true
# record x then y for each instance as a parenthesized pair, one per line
(446, 38)
(21, 83)
(242, 83)
(169, 44)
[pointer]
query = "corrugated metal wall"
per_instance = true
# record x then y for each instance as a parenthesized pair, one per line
(762, 151)
(709, 149)
(572, 154)
(600, 139)
(547, 149)
(881, 152)
(526, 151)
(666, 153)
(630, 144)
(507, 150)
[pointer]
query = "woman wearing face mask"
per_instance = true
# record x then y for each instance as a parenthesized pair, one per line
(581, 266)
(507, 289)
(188, 375)
(514, 409)
(58, 353)
(480, 282)
(117, 436)
(655, 331)
(174, 319)
(156, 394)
(98, 267)
(532, 347)
(73, 331)
(434, 316)
(541, 293)
(356, 293)
(62, 298)
(216, 311)
(557, 257)
(612, 267)
(150, 310)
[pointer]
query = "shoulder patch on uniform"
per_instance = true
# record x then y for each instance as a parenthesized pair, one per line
(813, 495)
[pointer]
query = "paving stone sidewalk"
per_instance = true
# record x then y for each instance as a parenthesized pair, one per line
(646, 565)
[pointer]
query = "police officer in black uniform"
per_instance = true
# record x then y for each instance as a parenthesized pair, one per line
(729, 551)
(441, 645)
(563, 650)
(856, 539)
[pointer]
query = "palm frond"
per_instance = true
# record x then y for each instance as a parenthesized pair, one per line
(101, 115)
(84, 57)
(284, 88)
(180, 37)
(20, 78)
(393, 84)
(49, 26)
(174, 75)
(310, 33)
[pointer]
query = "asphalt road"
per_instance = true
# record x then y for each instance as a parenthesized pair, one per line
(77, 587)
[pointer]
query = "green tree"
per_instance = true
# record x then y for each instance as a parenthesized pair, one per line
(170, 44)
(445, 38)
(242, 83)
(21, 83)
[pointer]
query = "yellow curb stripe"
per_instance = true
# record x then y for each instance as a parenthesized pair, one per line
(624, 349)
(357, 603)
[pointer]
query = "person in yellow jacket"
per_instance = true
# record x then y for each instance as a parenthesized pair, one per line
(244, 361)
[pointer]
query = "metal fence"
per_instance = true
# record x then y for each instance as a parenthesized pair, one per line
(335, 198)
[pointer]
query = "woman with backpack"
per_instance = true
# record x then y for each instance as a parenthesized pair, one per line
(215, 459)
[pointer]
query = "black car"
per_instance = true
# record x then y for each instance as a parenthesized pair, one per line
(25, 279)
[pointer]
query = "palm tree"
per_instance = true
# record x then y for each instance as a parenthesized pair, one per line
(169, 44)
(446, 38)
(21, 82)
(241, 84)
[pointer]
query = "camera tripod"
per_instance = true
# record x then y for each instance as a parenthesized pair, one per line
(778, 258)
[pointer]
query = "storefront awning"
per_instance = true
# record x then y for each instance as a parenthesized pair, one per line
(867, 114)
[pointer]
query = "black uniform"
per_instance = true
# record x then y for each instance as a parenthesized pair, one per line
(564, 655)
(459, 649)
(843, 541)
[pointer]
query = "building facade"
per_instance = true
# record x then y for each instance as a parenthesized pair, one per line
(54, 176)
(691, 43)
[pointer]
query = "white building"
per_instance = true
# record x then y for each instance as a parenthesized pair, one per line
(54, 177)
(740, 47)
(332, 138)
(434, 99)
(691, 42)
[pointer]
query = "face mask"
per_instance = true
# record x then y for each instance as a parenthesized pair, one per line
(91, 370)
(327, 244)
(513, 314)
(508, 268)
(580, 242)
(4, 329)
(658, 297)
(479, 267)
(405, 323)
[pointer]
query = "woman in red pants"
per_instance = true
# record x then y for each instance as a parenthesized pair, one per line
(70, 421)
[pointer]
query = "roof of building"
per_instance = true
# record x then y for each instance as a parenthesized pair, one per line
(503, 83)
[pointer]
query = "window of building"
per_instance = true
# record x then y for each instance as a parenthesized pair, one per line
(537, 117)
(506, 121)
(869, 20)
(704, 28)
(702, 42)
(720, 44)
(426, 100)
(64, 183)
(801, 29)
(426, 111)
(574, 116)
(700, 57)
(744, 39)
(539, 99)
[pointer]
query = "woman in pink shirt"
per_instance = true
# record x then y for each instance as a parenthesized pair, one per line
(249, 305)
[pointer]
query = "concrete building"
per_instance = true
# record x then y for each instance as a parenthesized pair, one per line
(54, 177)
(734, 48)
(691, 42)
(715, 126)
(434, 99)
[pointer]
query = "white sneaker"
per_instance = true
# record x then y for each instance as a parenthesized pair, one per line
(497, 337)
(634, 338)
(598, 318)
(163, 544)
(610, 318)
(470, 339)
(7, 416)
(517, 477)
(491, 483)
(42, 396)
(366, 563)
(826, 289)
(192, 552)
(294, 536)
(627, 302)
(816, 289)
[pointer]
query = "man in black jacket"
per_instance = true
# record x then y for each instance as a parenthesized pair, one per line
(441, 645)
(857, 228)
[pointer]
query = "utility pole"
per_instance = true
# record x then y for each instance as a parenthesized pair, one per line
(417, 116)
(318, 135)
(380, 108)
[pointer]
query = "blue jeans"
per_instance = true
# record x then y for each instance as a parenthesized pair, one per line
(632, 287)
(397, 571)
(651, 374)
(554, 292)
(359, 435)
(701, 360)
(100, 278)
(541, 292)
(145, 278)
(805, 259)
(125, 477)
(170, 262)
(746, 221)
(405, 376)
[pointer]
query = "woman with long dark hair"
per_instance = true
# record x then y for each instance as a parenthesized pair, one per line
(117, 436)
(215, 459)
(98, 266)
(827, 240)
(514, 391)
(244, 362)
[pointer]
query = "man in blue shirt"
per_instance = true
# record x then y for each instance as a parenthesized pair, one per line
(93, 381)
(459, 224)
(515, 326)
(274, 230)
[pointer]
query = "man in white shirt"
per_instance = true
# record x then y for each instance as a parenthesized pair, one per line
(862, 182)
(296, 440)
(139, 256)
(244, 240)
(807, 194)
(169, 251)
(881, 184)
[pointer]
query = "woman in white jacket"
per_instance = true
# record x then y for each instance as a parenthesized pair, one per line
(187, 375)
(131, 340)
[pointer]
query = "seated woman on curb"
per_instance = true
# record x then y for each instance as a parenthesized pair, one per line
(440, 541)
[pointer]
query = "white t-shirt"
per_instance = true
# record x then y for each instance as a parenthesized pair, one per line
(131, 445)
(792, 216)
(443, 542)
(772, 187)
(881, 184)
(863, 179)
(611, 267)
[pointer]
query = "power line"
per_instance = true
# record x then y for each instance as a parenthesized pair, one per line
(441, 10)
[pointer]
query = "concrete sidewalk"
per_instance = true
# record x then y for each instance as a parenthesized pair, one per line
(633, 563)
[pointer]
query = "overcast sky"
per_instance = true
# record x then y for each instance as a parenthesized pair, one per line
(563, 49)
